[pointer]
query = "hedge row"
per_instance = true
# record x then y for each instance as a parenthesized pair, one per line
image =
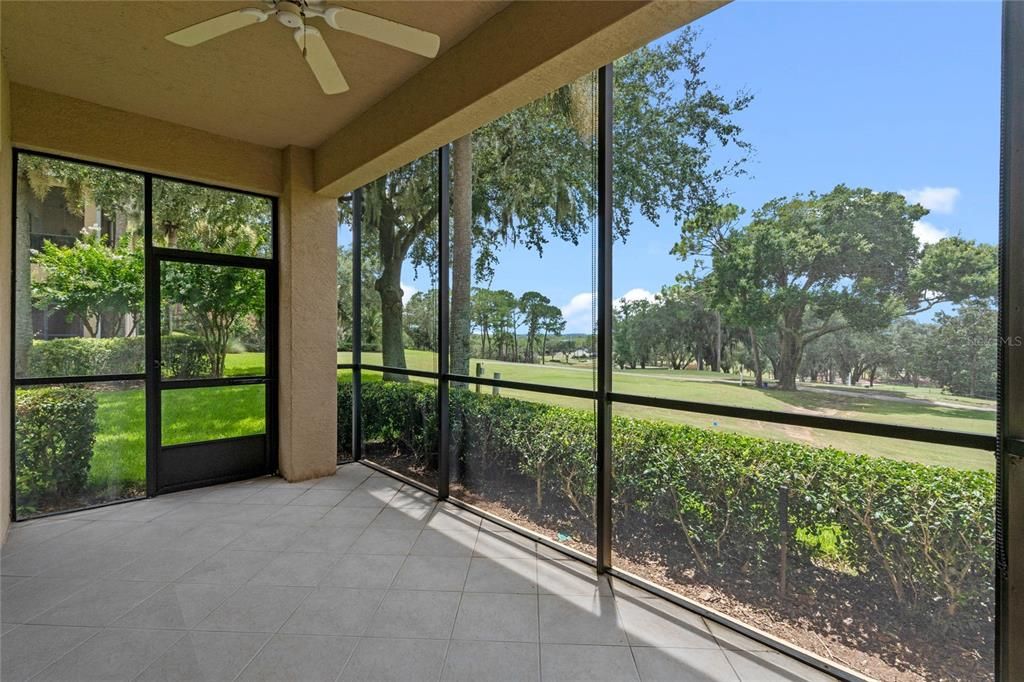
(922, 534)
(54, 436)
(182, 356)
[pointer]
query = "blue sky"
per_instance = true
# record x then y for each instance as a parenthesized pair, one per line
(892, 96)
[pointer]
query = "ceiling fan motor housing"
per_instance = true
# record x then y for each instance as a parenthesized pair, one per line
(289, 14)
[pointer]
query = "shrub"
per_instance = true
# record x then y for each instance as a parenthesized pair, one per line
(86, 356)
(182, 356)
(123, 355)
(924, 534)
(55, 428)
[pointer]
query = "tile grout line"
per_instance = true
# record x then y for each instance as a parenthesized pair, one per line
(56, 660)
(299, 605)
(379, 604)
(455, 621)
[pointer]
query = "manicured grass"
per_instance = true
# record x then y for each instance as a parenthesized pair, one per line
(210, 413)
(199, 414)
(888, 404)
(244, 364)
(119, 456)
(189, 415)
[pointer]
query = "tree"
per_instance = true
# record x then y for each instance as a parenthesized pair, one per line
(636, 334)
(371, 313)
(814, 265)
(528, 177)
(462, 308)
(214, 299)
(484, 316)
(694, 325)
(93, 282)
(962, 351)
(421, 320)
(185, 216)
(551, 322)
(908, 357)
(198, 218)
(534, 306)
(113, 192)
(400, 216)
(850, 354)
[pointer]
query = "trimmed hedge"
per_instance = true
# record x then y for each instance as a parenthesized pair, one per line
(922, 534)
(54, 436)
(182, 356)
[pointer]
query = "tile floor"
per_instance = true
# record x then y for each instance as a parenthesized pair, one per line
(350, 577)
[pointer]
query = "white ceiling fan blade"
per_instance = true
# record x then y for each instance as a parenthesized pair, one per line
(383, 31)
(218, 26)
(320, 60)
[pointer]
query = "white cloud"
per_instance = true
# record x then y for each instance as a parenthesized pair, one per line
(935, 199)
(636, 294)
(927, 233)
(407, 291)
(578, 314)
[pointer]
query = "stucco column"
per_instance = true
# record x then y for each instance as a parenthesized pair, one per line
(6, 239)
(308, 390)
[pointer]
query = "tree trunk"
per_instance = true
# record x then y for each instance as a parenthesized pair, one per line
(758, 374)
(462, 252)
(22, 284)
(389, 286)
(718, 342)
(790, 352)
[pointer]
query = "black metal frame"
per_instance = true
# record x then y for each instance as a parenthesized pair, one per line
(1009, 444)
(196, 471)
(443, 310)
(357, 324)
(1010, 388)
(151, 376)
(605, 242)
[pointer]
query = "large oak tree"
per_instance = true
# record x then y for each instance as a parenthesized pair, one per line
(530, 176)
(814, 265)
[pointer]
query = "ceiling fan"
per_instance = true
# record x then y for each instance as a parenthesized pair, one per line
(294, 13)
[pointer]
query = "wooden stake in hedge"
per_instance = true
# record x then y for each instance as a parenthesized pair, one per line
(783, 537)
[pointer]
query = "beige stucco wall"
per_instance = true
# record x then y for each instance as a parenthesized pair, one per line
(6, 239)
(308, 391)
(44, 121)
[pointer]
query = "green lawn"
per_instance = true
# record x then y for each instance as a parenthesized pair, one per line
(244, 364)
(887, 404)
(210, 413)
(189, 415)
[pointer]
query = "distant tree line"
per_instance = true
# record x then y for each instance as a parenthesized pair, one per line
(956, 351)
